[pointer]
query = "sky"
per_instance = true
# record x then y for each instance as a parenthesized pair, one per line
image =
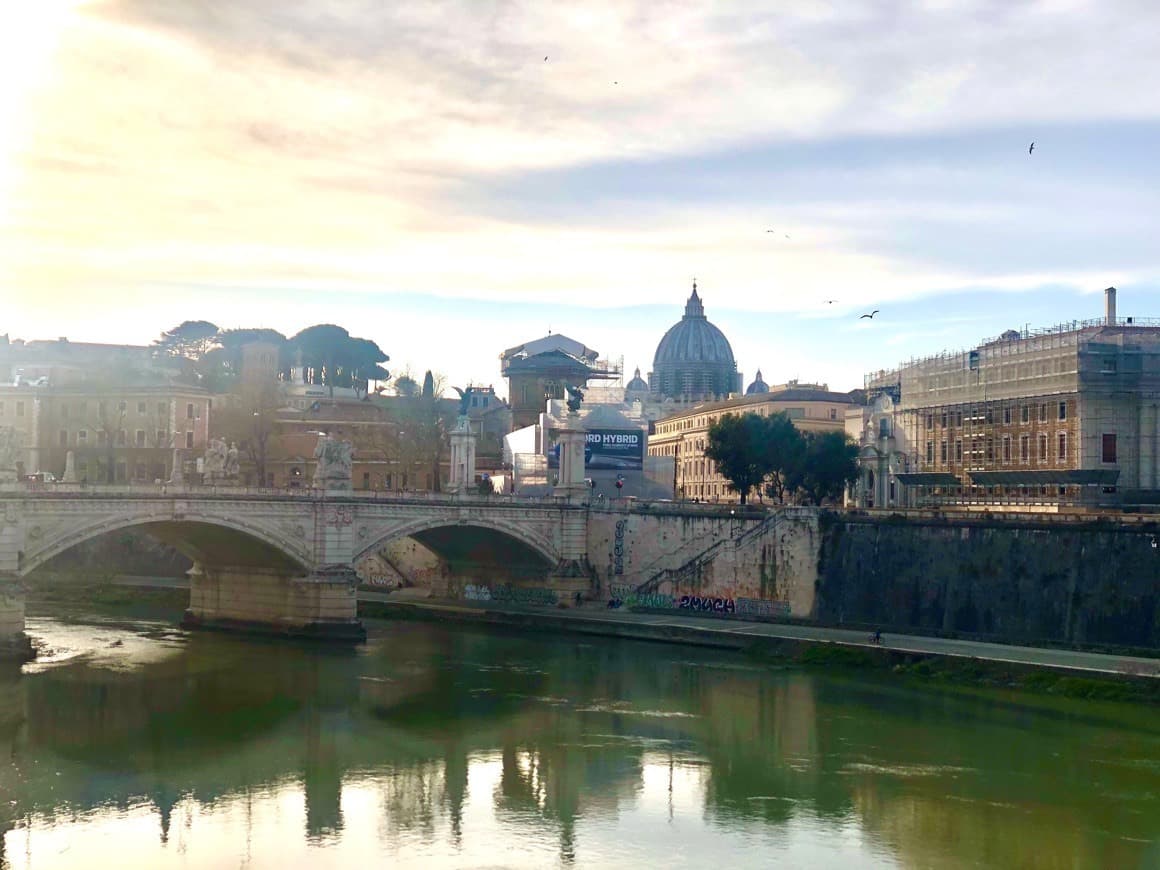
(420, 174)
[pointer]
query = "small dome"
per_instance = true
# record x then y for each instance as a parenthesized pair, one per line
(758, 386)
(638, 386)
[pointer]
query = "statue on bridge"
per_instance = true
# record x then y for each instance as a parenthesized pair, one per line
(214, 462)
(575, 397)
(232, 464)
(333, 469)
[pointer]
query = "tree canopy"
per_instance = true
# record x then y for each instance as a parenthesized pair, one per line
(751, 451)
(332, 356)
(192, 339)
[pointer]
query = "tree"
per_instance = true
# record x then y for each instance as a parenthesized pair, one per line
(406, 387)
(829, 464)
(736, 445)
(192, 339)
(784, 448)
(250, 419)
(331, 356)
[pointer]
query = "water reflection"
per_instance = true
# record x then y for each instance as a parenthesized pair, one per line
(448, 748)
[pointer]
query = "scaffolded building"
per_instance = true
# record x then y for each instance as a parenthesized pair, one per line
(1067, 415)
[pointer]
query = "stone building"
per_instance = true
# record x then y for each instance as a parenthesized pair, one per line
(683, 436)
(540, 371)
(1069, 414)
(120, 434)
(693, 361)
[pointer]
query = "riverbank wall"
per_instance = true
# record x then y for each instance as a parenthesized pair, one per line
(1012, 580)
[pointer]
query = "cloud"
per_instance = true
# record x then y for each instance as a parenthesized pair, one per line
(352, 151)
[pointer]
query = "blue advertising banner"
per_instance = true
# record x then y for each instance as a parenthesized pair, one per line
(612, 449)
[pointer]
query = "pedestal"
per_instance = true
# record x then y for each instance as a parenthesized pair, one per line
(462, 459)
(571, 480)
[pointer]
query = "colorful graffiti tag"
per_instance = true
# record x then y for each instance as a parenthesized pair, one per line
(753, 608)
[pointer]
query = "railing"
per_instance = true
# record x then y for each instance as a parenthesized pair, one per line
(190, 490)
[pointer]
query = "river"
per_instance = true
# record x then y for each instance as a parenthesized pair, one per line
(133, 745)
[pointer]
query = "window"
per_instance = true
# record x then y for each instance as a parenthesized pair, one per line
(943, 419)
(959, 419)
(1025, 414)
(188, 440)
(122, 436)
(122, 406)
(63, 436)
(1007, 416)
(833, 413)
(1108, 365)
(1024, 448)
(1043, 413)
(139, 437)
(1006, 448)
(1063, 410)
(82, 437)
(1062, 447)
(942, 452)
(19, 409)
(990, 449)
(1043, 457)
(929, 421)
(959, 451)
(1108, 447)
(140, 407)
(162, 438)
(189, 411)
(162, 409)
(102, 437)
(930, 453)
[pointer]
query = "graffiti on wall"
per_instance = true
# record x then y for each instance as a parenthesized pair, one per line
(618, 548)
(753, 608)
(762, 608)
(510, 594)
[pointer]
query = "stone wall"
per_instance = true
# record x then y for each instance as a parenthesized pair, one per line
(1002, 579)
(765, 557)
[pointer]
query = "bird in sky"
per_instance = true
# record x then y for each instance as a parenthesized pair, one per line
(769, 231)
(831, 301)
(869, 316)
(545, 57)
(1032, 148)
(787, 235)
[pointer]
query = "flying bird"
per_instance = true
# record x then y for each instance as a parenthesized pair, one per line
(769, 231)
(831, 301)
(545, 57)
(1032, 148)
(869, 316)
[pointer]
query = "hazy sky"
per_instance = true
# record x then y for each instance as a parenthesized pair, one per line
(419, 174)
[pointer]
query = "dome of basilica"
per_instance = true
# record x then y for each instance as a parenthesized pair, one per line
(694, 360)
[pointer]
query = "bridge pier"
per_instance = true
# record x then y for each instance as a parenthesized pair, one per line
(14, 643)
(321, 605)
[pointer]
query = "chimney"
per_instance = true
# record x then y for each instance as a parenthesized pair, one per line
(1110, 306)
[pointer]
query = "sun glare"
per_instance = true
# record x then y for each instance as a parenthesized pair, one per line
(28, 46)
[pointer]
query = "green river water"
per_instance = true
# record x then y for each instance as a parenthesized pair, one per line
(137, 746)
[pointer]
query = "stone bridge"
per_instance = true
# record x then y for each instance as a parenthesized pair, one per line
(282, 560)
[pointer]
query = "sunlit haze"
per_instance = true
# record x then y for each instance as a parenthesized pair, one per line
(451, 179)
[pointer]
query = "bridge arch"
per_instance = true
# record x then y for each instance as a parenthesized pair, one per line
(205, 538)
(529, 539)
